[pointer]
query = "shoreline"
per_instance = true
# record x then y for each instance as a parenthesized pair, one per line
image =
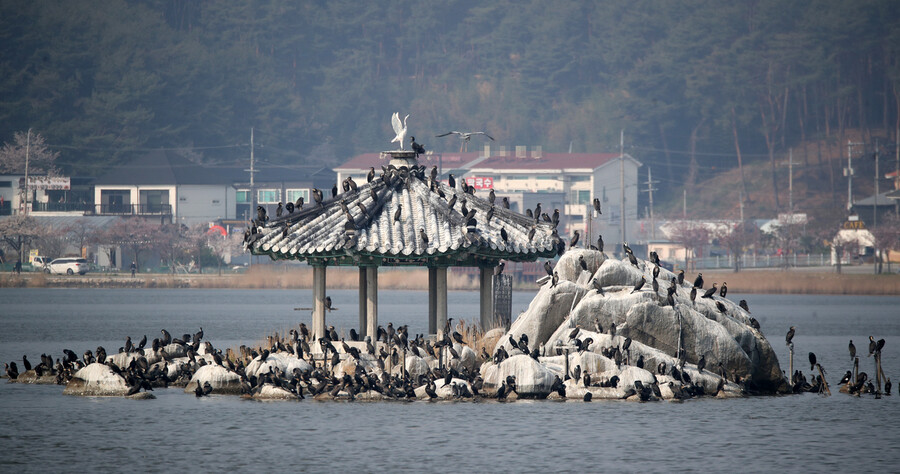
(748, 281)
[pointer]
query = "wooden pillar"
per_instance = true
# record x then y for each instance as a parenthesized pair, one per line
(362, 304)
(372, 301)
(432, 300)
(440, 300)
(318, 322)
(486, 288)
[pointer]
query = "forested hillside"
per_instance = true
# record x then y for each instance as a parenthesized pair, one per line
(697, 85)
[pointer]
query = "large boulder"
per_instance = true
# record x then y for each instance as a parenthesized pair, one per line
(547, 311)
(533, 379)
(97, 380)
(569, 265)
(714, 329)
(222, 380)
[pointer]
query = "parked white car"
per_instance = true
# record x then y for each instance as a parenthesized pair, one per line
(68, 266)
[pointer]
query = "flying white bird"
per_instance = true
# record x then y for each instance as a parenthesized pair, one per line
(399, 128)
(465, 137)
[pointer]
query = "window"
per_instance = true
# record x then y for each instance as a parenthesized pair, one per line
(242, 196)
(268, 196)
(579, 179)
(294, 194)
(581, 197)
(5, 184)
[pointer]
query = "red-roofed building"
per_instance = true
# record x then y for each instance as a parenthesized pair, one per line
(565, 181)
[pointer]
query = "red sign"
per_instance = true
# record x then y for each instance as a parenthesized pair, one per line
(480, 183)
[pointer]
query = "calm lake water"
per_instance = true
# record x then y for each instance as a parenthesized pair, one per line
(42, 430)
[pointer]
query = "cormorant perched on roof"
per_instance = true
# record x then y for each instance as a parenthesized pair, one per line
(398, 213)
(693, 294)
(505, 202)
(554, 279)
(371, 174)
(639, 285)
(451, 181)
(504, 235)
(417, 148)
(600, 243)
(548, 268)
(334, 190)
(698, 282)
(279, 210)
(852, 350)
(574, 240)
(724, 290)
(654, 258)
(424, 237)
(655, 285)
(789, 336)
(680, 277)
(710, 292)
(289, 207)
(744, 306)
(701, 363)
(499, 268)
(583, 263)
(328, 303)
(299, 203)
(597, 205)
(261, 215)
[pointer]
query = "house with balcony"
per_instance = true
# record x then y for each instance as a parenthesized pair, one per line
(166, 185)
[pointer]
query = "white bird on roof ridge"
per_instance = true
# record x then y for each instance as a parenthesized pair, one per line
(399, 128)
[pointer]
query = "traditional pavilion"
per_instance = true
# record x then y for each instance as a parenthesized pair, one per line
(402, 216)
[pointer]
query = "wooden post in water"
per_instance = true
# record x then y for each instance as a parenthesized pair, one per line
(877, 374)
(855, 369)
(791, 363)
(824, 382)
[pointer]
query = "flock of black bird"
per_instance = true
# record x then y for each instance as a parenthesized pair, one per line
(853, 381)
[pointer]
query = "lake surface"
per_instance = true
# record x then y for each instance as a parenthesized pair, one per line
(42, 430)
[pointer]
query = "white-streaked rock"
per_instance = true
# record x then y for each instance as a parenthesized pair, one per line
(222, 380)
(96, 380)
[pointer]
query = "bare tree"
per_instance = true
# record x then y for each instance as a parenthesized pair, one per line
(79, 233)
(19, 232)
(737, 239)
(693, 236)
(225, 246)
(172, 241)
(40, 157)
(136, 234)
(887, 238)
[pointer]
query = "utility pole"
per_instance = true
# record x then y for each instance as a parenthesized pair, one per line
(649, 191)
(849, 172)
(252, 171)
(622, 177)
(791, 182)
(875, 202)
(27, 156)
